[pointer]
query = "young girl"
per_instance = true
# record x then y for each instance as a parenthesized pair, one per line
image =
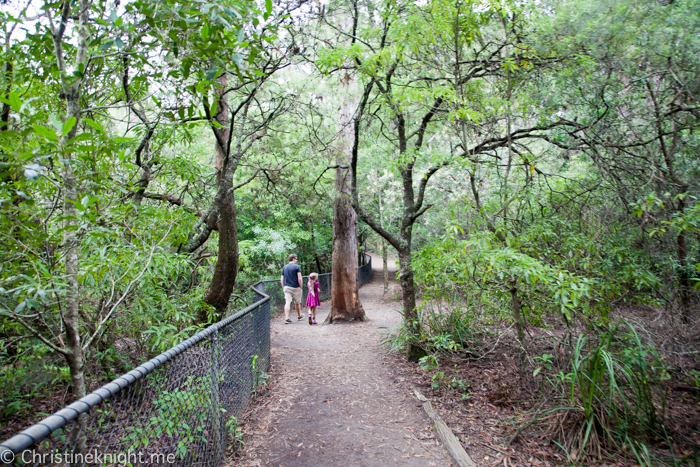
(312, 299)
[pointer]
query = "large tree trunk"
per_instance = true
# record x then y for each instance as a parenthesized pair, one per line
(345, 297)
(345, 287)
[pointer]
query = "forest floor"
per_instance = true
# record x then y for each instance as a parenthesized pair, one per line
(337, 396)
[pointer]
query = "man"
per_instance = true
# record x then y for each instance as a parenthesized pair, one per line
(291, 284)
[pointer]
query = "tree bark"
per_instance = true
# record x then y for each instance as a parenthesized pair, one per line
(385, 261)
(71, 314)
(683, 275)
(408, 298)
(516, 309)
(345, 287)
(384, 250)
(219, 291)
(5, 113)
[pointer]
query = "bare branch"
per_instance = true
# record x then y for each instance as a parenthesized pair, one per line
(34, 332)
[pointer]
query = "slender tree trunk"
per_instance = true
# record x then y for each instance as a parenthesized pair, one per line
(408, 297)
(5, 113)
(71, 314)
(515, 308)
(221, 117)
(384, 251)
(219, 291)
(683, 276)
(141, 185)
(345, 287)
(385, 262)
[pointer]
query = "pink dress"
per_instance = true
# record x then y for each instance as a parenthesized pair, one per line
(312, 297)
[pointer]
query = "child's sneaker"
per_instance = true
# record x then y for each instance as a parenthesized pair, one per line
(310, 322)
(314, 321)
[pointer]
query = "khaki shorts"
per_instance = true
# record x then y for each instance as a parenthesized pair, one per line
(292, 293)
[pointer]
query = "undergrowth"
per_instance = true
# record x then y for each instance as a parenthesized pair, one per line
(601, 397)
(612, 393)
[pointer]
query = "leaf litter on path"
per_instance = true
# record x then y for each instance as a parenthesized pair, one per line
(334, 397)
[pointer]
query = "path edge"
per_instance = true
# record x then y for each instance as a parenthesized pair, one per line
(449, 440)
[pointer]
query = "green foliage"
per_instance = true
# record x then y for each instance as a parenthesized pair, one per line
(483, 274)
(235, 432)
(33, 374)
(613, 383)
(259, 376)
(140, 187)
(443, 379)
(182, 414)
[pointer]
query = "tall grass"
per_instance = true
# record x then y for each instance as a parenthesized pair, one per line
(613, 393)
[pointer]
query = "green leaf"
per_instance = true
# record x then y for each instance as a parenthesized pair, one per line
(45, 132)
(95, 125)
(56, 123)
(212, 74)
(15, 103)
(119, 42)
(536, 372)
(68, 126)
(268, 9)
(106, 45)
(205, 31)
(79, 138)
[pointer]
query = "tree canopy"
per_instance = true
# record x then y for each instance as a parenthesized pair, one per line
(529, 162)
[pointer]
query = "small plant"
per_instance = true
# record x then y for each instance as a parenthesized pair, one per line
(436, 378)
(259, 376)
(235, 431)
(443, 343)
(460, 385)
(429, 362)
(455, 383)
(545, 361)
(695, 375)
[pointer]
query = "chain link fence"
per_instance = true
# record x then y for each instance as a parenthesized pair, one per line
(179, 408)
(364, 272)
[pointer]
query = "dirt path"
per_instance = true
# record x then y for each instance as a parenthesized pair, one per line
(335, 399)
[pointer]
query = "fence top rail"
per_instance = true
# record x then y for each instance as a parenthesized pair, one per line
(48, 425)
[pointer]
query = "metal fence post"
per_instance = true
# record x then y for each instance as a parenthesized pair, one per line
(217, 433)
